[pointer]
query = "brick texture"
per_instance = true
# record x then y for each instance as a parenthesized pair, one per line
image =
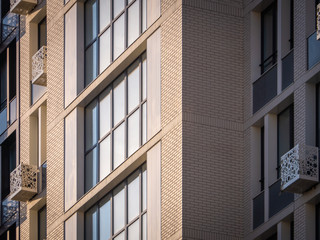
(55, 81)
(55, 172)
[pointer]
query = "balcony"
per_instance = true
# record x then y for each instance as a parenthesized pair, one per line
(23, 182)
(299, 169)
(39, 67)
(22, 7)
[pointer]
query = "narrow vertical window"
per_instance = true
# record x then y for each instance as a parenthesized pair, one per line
(268, 37)
(262, 159)
(285, 134)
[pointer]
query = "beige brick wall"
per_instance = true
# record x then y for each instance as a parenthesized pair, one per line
(171, 67)
(25, 89)
(171, 107)
(57, 233)
(171, 183)
(55, 79)
(55, 173)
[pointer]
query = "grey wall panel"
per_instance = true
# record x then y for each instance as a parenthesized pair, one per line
(73, 157)
(154, 192)
(153, 84)
(73, 53)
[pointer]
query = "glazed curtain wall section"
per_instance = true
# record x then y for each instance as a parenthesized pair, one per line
(115, 123)
(122, 213)
(110, 27)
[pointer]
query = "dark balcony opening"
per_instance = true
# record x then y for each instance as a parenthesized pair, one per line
(8, 164)
(258, 210)
(287, 70)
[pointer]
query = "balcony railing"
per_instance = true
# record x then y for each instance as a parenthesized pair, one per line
(287, 70)
(9, 210)
(8, 25)
(23, 182)
(265, 88)
(42, 177)
(313, 50)
(22, 7)
(258, 210)
(299, 168)
(39, 67)
(278, 200)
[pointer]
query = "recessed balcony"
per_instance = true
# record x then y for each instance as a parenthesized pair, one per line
(299, 169)
(39, 67)
(22, 7)
(23, 182)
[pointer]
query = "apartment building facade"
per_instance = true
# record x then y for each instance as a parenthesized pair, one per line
(159, 119)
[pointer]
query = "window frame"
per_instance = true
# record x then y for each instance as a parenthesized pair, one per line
(142, 212)
(110, 133)
(110, 25)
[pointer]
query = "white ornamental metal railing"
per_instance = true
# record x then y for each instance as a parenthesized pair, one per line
(39, 66)
(23, 182)
(299, 168)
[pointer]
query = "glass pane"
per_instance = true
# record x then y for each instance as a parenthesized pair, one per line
(104, 13)
(105, 54)
(91, 20)
(120, 236)
(118, 6)
(91, 125)
(104, 219)
(133, 196)
(37, 91)
(144, 188)
(133, 231)
(144, 123)
(144, 227)
(91, 169)
(284, 140)
(133, 87)
(118, 100)
(105, 158)
(42, 223)
(119, 209)
(118, 146)
(133, 132)
(104, 113)
(133, 22)
(92, 224)
(144, 77)
(144, 15)
(91, 63)
(118, 38)
(42, 31)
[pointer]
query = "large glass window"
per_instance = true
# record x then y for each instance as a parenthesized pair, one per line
(8, 163)
(268, 37)
(122, 212)
(110, 27)
(115, 123)
(285, 133)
